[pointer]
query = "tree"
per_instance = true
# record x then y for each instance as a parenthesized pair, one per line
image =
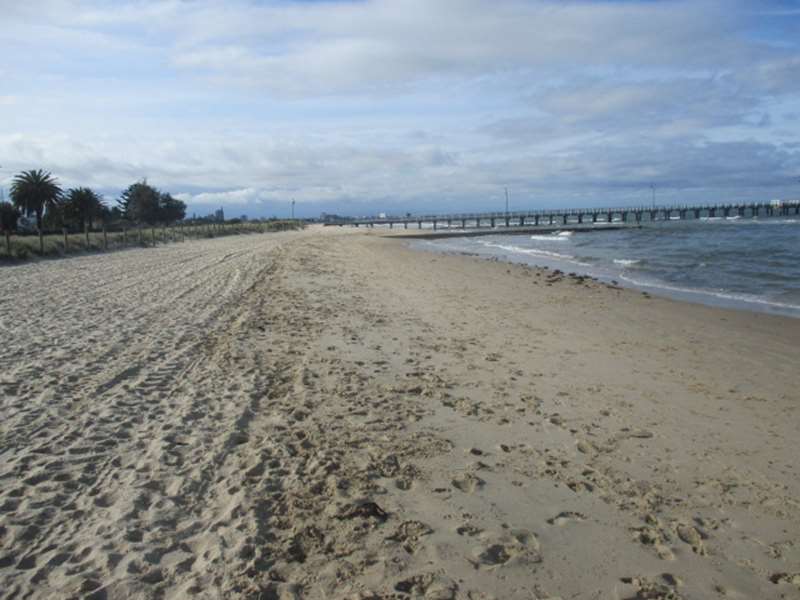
(82, 206)
(107, 214)
(171, 209)
(35, 192)
(55, 218)
(113, 214)
(9, 215)
(140, 203)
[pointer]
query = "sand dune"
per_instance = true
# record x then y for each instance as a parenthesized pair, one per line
(328, 414)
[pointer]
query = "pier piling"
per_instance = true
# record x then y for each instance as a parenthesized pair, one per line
(627, 215)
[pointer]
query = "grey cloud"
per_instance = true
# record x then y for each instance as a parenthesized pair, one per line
(655, 108)
(415, 103)
(262, 175)
(323, 48)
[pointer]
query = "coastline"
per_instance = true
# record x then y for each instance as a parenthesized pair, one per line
(334, 414)
(617, 275)
(444, 233)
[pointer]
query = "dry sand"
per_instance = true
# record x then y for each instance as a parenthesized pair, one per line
(330, 414)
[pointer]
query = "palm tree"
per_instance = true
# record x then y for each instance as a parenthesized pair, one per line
(82, 206)
(34, 192)
(8, 222)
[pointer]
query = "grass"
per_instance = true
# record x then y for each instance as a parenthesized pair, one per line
(22, 247)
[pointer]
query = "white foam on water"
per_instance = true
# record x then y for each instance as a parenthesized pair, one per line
(626, 262)
(533, 252)
(776, 222)
(561, 236)
(631, 272)
(743, 298)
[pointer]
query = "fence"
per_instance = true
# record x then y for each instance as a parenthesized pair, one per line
(22, 246)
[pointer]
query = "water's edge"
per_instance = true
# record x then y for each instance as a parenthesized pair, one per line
(621, 271)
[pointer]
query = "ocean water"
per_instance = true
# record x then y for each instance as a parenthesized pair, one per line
(751, 264)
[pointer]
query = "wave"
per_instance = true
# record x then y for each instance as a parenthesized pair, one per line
(534, 252)
(721, 262)
(737, 220)
(626, 262)
(775, 221)
(745, 298)
(558, 236)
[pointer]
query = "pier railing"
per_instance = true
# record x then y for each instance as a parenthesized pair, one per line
(625, 214)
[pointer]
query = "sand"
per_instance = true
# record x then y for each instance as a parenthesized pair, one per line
(329, 414)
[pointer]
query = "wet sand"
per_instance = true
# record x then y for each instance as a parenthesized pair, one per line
(330, 414)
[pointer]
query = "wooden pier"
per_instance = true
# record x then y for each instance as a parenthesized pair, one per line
(579, 216)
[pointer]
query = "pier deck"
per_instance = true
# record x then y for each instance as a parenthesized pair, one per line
(579, 216)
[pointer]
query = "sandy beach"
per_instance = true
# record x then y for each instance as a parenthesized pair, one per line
(331, 414)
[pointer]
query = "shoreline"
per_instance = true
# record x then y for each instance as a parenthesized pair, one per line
(662, 289)
(444, 233)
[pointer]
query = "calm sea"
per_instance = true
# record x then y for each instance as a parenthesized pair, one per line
(739, 263)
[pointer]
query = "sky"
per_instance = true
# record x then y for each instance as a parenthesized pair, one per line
(365, 106)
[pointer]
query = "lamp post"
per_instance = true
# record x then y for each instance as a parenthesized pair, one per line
(506, 201)
(653, 189)
(292, 209)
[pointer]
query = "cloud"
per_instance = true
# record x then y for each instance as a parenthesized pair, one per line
(657, 108)
(241, 197)
(256, 178)
(300, 48)
(380, 45)
(403, 104)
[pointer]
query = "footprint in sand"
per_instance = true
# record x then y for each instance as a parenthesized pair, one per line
(516, 548)
(469, 530)
(566, 517)
(786, 578)
(653, 536)
(467, 483)
(653, 589)
(428, 585)
(408, 534)
(690, 535)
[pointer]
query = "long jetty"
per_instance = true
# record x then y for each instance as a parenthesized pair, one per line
(578, 216)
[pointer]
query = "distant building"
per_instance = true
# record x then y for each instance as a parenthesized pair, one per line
(329, 218)
(219, 215)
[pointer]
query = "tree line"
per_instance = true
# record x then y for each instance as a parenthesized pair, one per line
(36, 193)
